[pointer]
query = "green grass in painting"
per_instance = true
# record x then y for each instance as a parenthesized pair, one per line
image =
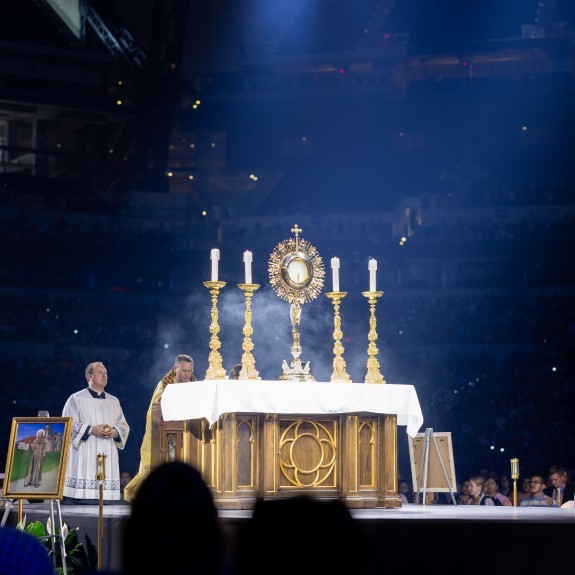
(22, 460)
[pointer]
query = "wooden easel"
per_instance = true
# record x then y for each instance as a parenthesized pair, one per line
(424, 467)
(54, 515)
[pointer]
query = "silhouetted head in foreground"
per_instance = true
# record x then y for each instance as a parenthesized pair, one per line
(309, 535)
(174, 526)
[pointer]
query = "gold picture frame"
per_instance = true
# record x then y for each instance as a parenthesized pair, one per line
(37, 458)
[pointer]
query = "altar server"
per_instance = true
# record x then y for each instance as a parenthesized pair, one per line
(99, 427)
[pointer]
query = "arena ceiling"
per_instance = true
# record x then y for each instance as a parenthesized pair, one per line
(220, 33)
(63, 82)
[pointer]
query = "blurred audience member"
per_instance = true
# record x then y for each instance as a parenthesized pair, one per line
(404, 491)
(174, 526)
(125, 478)
(492, 489)
(327, 538)
(23, 554)
(463, 496)
(235, 371)
(538, 497)
(505, 487)
(525, 490)
(431, 498)
(560, 490)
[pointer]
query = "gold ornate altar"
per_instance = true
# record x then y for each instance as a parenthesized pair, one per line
(246, 455)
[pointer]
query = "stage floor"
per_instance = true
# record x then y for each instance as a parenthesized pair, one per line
(435, 538)
(408, 512)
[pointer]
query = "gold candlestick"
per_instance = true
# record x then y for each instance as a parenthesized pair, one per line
(339, 373)
(248, 370)
(215, 369)
(515, 476)
(373, 375)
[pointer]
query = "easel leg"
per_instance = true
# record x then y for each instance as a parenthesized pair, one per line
(423, 469)
(443, 469)
(62, 539)
(53, 538)
(428, 432)
(7, 512)
(61, 535)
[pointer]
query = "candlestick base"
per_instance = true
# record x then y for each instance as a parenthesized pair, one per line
(215, 368)
(373, 374)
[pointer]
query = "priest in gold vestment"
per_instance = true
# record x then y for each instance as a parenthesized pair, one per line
(182, 371)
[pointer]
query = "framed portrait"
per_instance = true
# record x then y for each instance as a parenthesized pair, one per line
(37, 457)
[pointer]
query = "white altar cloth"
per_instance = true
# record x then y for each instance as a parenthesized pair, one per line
(212, 398)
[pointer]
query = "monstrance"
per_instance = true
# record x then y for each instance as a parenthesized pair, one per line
(297, 274)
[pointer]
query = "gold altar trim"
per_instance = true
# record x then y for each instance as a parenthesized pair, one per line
(244, 457)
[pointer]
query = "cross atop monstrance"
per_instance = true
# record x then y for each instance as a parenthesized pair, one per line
(296, 230)
(296, 274)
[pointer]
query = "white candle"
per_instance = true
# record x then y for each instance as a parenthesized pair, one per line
(335, 273)
(248, 266)
(372, 269)
(215, 256)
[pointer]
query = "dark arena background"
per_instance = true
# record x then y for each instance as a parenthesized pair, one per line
(435, 137)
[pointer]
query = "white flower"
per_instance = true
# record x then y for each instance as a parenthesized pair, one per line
(22, 524)
(64, 528)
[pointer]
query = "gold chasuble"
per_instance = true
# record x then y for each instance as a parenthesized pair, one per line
(146, 448)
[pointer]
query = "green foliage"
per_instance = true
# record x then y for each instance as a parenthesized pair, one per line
(77, 562)
(36, 529)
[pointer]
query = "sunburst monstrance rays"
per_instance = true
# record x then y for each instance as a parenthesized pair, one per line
(277, 261)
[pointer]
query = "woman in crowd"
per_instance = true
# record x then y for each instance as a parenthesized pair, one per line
(477, 492)
(492, 489)
(505, 486)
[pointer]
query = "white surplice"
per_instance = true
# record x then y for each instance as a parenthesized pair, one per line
(82, 467)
